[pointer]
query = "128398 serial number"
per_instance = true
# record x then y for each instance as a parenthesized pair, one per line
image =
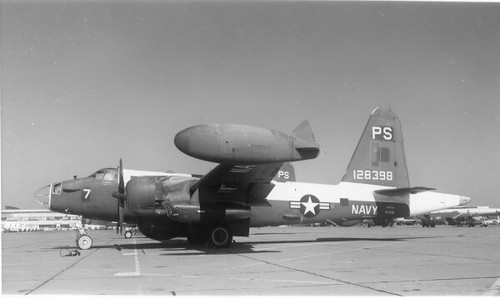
(372, 175)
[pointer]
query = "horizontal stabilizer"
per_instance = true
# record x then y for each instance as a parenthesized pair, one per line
(393, 192)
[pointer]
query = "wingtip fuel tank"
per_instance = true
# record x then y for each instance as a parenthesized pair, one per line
(245, 144)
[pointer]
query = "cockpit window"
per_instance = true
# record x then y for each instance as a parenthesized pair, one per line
(109, 174)
(56, 189)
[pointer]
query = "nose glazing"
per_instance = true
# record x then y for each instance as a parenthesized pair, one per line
(42, 196)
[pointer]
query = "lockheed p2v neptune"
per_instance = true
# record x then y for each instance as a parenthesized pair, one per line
(253, 185)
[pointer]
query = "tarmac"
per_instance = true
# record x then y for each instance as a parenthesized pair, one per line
(292, 261)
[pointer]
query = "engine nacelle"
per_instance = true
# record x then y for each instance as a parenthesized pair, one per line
(142, 192)
(151, 192)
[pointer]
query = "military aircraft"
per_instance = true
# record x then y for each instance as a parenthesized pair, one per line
(459, 215)
(252, 186)
(472, 211)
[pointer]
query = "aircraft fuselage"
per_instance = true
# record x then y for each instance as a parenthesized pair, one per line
(289, 202)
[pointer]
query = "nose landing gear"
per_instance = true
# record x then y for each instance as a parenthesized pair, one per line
(83, 241)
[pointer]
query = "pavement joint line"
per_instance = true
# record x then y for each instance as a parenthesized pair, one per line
(334, 252)
(137, 265)
(233, 278)
(438, 255)
(248, 265)
(322, 276)
(62, 271)
(429, 280)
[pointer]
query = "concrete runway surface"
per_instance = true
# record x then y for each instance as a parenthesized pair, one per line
(328, 261)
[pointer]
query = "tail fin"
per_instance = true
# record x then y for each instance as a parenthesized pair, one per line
(379, 158)
(285, 173)
(304, 131)
(304, 142)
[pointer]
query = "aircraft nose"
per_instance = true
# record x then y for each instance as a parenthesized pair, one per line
(464, 200)
(42, 196)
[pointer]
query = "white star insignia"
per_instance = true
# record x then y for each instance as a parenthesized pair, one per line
(310, 205)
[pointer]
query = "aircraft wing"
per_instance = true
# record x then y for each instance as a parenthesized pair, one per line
(247, 184)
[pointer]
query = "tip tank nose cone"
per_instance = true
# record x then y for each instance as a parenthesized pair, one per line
(464, 200)
(181, 140)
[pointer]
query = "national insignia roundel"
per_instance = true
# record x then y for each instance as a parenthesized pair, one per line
(309, 206)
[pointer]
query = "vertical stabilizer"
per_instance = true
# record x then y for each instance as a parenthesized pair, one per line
(304, 142)
(286, 173)
(304, 131)
(379, 158)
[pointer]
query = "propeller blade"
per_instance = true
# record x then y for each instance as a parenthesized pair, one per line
(119, 229)
(121, 185)
(121, 199)
(118, 223)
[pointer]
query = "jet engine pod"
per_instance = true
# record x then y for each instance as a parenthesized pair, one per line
(162, 228)
(141, 192)
(347, 223)
(244, 144)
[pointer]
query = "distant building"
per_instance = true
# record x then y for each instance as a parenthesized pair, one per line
(17, 220)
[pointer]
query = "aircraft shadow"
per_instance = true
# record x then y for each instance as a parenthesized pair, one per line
(336, 239)
(254, 234)
(184, 248)
(175, 247)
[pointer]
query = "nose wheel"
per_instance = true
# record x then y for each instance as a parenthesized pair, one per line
(84, 242)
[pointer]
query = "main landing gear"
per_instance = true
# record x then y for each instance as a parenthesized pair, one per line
(217, 236)
(128, 234)
(220, 236)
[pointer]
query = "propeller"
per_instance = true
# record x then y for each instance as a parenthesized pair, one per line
(121, 199)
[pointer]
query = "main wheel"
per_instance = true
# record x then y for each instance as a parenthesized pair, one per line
(128, 234)
(220, 236)
(84, 242)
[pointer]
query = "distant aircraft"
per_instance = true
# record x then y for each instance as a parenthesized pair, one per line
(459, 215)
(252, 186)
(472, 211)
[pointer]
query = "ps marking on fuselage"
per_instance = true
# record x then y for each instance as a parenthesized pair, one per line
(309, 205)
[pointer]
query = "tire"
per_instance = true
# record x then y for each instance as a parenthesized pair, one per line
(128, 234)
(84, 242)
(220, 237)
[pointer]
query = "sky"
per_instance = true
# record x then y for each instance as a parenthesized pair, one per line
(85, 83)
